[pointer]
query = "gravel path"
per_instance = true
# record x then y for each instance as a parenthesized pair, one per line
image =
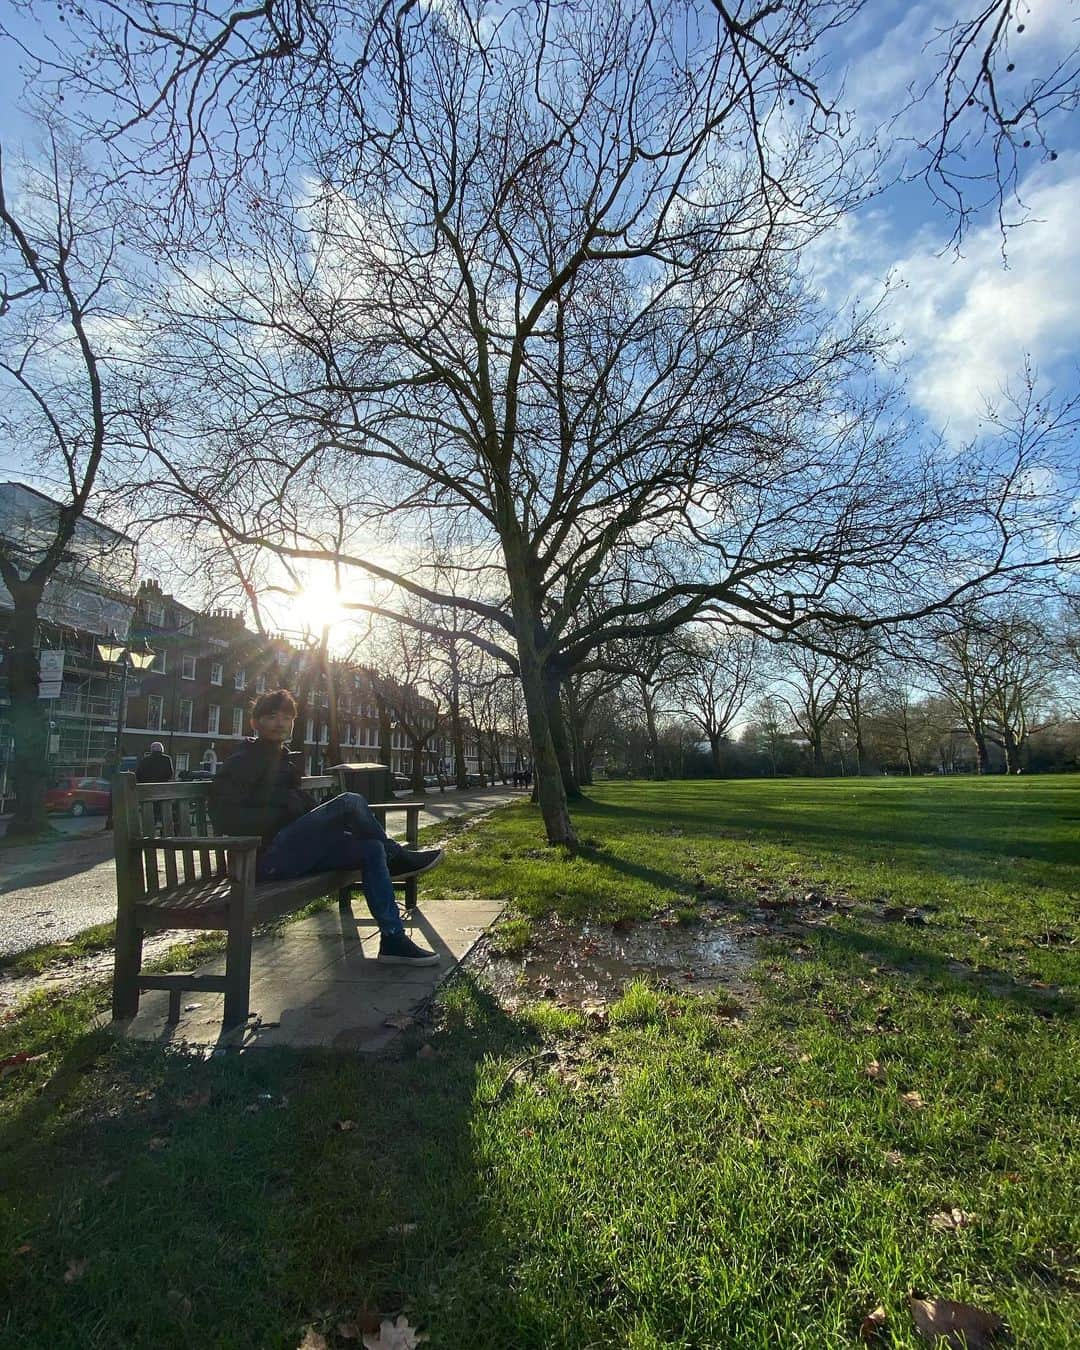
(49, 892)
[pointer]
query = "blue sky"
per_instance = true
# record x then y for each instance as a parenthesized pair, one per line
(966, 319)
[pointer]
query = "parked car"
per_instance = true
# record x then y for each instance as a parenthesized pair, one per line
(400, 783)
(79, 796)
(432, 780)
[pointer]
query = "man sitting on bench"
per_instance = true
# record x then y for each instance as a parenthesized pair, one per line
(257, 791)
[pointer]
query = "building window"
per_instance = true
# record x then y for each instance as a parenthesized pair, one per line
(213, 719)
(239, 679)
(238, 721)
(216, 672)
(155, 708)
(155, 614)
(187, 667)
(182, 762)
(260, 684)
(184, 721)
(187, 627)
(159, 663)
(324, 735)
(310, 735)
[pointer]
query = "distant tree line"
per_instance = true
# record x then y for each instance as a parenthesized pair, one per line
(990, 688)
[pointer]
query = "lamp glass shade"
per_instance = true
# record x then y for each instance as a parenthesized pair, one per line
(110, 650)
(142, 660)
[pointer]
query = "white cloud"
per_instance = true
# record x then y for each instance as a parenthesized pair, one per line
(968, 323)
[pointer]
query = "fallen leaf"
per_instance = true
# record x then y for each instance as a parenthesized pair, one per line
(106, 1182)
(180, 1302)
(949, 1220)
(875, 1072)
(804, 1058)
(157, 1143)
(24, 1249)
(396, 1335)
(816, 1102)
(76, 1270)
(913, 1099)
(313, 1340)
(15, 1062)
(894, 1158)
(190, 1007)
(872, 1324)
(961, 1325)
(402, 1229)
(345, 1126)
(426, 1051)
(400, 1021)
(363, 1322)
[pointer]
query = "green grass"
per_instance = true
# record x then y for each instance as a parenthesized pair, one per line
(33, 960)
(672, 1177)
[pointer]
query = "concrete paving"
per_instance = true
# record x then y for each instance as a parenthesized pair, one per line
(51, 891)
(316, 982)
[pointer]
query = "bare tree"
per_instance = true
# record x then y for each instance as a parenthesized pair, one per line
(716, 679)
(811, 686)
(59, 301)
(522, 280)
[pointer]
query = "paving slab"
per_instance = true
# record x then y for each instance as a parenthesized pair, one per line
(316, 983)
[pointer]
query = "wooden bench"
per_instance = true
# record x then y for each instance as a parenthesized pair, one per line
(179, 874)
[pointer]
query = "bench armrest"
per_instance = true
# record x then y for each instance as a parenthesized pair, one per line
(396, 806)
(171, 844)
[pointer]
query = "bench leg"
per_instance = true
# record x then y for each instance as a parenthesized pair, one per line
(129, 940)
(344, 898)
(237, 970)
(410, 893)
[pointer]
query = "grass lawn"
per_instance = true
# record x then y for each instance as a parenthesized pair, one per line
(670, 1176)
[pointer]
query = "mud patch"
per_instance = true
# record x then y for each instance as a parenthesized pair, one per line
(577, 963)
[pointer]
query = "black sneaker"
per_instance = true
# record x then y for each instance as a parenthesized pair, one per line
(410, 862)
(402, 951)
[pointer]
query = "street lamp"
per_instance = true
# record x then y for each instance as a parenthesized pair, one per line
(128, 656)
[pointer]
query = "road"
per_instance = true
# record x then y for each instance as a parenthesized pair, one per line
(51, 891)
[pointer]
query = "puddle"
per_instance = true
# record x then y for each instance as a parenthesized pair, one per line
(572, 963)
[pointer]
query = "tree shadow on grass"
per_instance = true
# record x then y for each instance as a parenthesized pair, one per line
(941, 972)
(236, 1200)
(978, 854)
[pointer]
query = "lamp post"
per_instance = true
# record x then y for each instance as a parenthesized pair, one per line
(127, 656)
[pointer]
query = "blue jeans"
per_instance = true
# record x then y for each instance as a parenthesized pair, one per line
(340, 834)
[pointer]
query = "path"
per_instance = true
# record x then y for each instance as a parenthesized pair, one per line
(49, 892)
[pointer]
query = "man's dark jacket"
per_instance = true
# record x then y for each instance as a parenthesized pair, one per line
(154, 767)
(257, 791)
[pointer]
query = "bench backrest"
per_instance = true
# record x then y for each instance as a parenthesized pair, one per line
(182, 808)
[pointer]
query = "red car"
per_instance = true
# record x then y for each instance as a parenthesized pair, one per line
(79, 796)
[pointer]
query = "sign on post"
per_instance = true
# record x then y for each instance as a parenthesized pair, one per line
(50, 674)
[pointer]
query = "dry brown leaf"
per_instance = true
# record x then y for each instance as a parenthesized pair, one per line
(345, 1126)
(24, 1249)
(76, 1270)
(363, 1322)
(913, 1099)
(157, 1143)
(313, 1340)
(426, 1051)
(949, 1220)
(894, 1157)
(395, 1335)
(399, 1021)
(962, 1326)
(875, 1072)
(872, 1324)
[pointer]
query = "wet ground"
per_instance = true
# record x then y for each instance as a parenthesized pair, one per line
(580, 963)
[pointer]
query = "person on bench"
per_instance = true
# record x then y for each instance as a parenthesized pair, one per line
(257, 791)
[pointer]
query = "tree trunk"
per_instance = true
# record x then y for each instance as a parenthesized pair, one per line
(714, 755)
(982, 752)
(457, 739)
(559, 736)
(29, 717)
(817, 753)
(650, 724)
